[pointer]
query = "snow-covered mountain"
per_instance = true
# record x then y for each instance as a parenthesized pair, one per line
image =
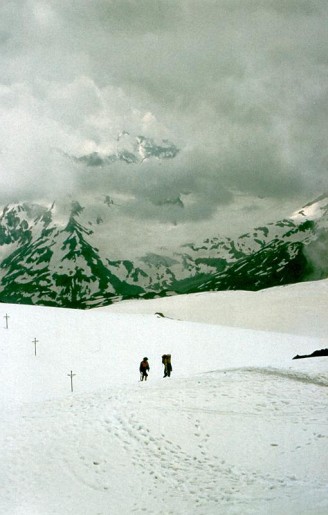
(282, 252)
(58, 267)
(130, 150)
(288, 251)
(55, 262)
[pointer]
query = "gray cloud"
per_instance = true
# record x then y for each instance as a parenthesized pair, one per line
(239, 86)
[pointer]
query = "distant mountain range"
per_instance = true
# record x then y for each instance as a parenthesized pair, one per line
(45, 260)
(50, 263)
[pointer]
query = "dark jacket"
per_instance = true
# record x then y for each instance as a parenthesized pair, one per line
(144, 366)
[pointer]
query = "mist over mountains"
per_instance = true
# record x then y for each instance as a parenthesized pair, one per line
(245, 101)
(130, 150)
(141, 143)
(53, 262)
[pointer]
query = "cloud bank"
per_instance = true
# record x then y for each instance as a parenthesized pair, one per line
(239, 86)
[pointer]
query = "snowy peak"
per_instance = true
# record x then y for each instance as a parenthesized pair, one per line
(147, 148)
(313, 210)
(131, 150)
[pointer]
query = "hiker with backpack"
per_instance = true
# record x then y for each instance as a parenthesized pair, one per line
(144, 368)
(166, 360)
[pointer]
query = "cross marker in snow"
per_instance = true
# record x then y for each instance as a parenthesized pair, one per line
(35, 341)
(71, 375)
(6, 317)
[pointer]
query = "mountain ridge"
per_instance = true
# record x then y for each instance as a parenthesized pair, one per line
(56, 263)
(135, 150)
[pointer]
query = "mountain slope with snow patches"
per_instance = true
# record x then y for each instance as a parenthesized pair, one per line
(240, 427)
(37, 266)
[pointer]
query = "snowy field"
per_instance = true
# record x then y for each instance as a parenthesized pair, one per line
(239, 428)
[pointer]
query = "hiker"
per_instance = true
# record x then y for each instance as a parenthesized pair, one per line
(144, 367)
(166, 360)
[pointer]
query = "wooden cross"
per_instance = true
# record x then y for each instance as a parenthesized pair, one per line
(71, 375)
(35, 341)
(6, 317)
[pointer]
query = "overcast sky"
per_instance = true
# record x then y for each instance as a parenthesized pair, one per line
(239, 86)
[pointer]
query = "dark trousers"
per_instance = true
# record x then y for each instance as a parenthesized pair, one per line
(167, 371)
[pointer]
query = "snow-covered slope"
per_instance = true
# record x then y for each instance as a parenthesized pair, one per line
(240, 427)
(295, 308)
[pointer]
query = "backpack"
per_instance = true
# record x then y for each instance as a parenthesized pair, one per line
(166, 358)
